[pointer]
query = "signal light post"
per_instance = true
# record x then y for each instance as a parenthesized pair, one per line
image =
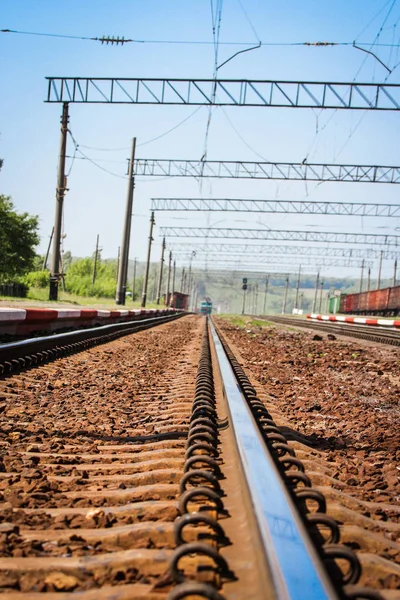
(244, 288)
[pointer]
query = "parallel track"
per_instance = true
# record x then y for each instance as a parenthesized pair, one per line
(364, 332)
(91, 507)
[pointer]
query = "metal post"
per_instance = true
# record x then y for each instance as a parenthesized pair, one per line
(320, 295)
(182, 279)
(161, 271)
(301, 300)
(285, 296)
(146, 276)
(60, 192)
(134, 278)
(118, 259)
(244, 302)
(378, 284)
(173, 284)
(369, 279)
(395, 272)
(154, 289)
(126, 233)
(297, 288)
(256, 295)
(314, 306)
(48, 251)
(265, 294)
(95, 260)
(362, 274)
(168, 280)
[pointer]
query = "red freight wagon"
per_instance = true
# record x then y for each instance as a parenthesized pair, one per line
(394, 300)
(342, 307)
(362, 302)
(378, 301)
(349, 304)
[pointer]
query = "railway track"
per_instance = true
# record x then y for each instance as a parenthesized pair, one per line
(364, 332)
(149, 468)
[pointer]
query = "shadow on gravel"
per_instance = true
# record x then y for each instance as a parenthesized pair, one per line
(315, 441)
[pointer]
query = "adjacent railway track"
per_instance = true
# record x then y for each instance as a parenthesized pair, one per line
(149, 468)
(363, 332)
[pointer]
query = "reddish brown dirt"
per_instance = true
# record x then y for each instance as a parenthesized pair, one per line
(92, 451)
(338, 403)
(343, 397)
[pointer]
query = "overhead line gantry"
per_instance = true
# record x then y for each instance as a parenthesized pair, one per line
(356, 209)
(271, 234)
(224, 92)
(266, 249)
(242, 260)
(230, 169)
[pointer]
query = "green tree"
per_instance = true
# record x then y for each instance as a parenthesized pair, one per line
(18, 239)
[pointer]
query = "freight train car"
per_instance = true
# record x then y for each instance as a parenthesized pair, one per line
(385, 302)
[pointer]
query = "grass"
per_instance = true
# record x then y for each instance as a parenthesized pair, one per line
(40, 296)
(240, 321)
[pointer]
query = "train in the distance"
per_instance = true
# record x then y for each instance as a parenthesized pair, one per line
(206, 307)
(384, 302)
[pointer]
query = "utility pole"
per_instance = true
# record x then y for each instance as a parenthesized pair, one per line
(256, 295)
(297, 288)
(320, 295)
(118, 259)
(301, 300)
(244, 302)
(126, 233)
(314, 306)
(285, 296)
(362, 274)
(168, 279)
(95, 260)
(60, 192)
(173, 284)
(395, 272)
(265, 294)
(369, 279)
(48, 251)
(182, 279)
(134, 278)
(378, 284)
(161, 271)
(146, 275)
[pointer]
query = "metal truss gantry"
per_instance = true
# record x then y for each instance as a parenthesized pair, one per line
(371, 239)
(354, 209)
(224, 169)
(242, 260)
(224, 92)
(264, 249)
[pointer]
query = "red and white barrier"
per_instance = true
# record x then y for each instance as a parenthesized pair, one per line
(21, 321)
(357, 320)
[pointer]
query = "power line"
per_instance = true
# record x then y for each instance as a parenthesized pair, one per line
(313, 44)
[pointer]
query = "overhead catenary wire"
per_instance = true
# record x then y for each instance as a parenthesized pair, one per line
(314, 44)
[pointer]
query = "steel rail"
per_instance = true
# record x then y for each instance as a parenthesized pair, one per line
(364, 332)
(295, 568)
(15, 356)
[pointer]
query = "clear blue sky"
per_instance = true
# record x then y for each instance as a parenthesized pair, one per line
(29, 128)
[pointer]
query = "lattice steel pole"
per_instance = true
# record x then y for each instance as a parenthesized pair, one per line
(60, 192)
(378, 283)
(161, 271)
(265, 294)
(362, 275)
(167, 291)
(126, 233)
(314, 306)
(146, 275)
